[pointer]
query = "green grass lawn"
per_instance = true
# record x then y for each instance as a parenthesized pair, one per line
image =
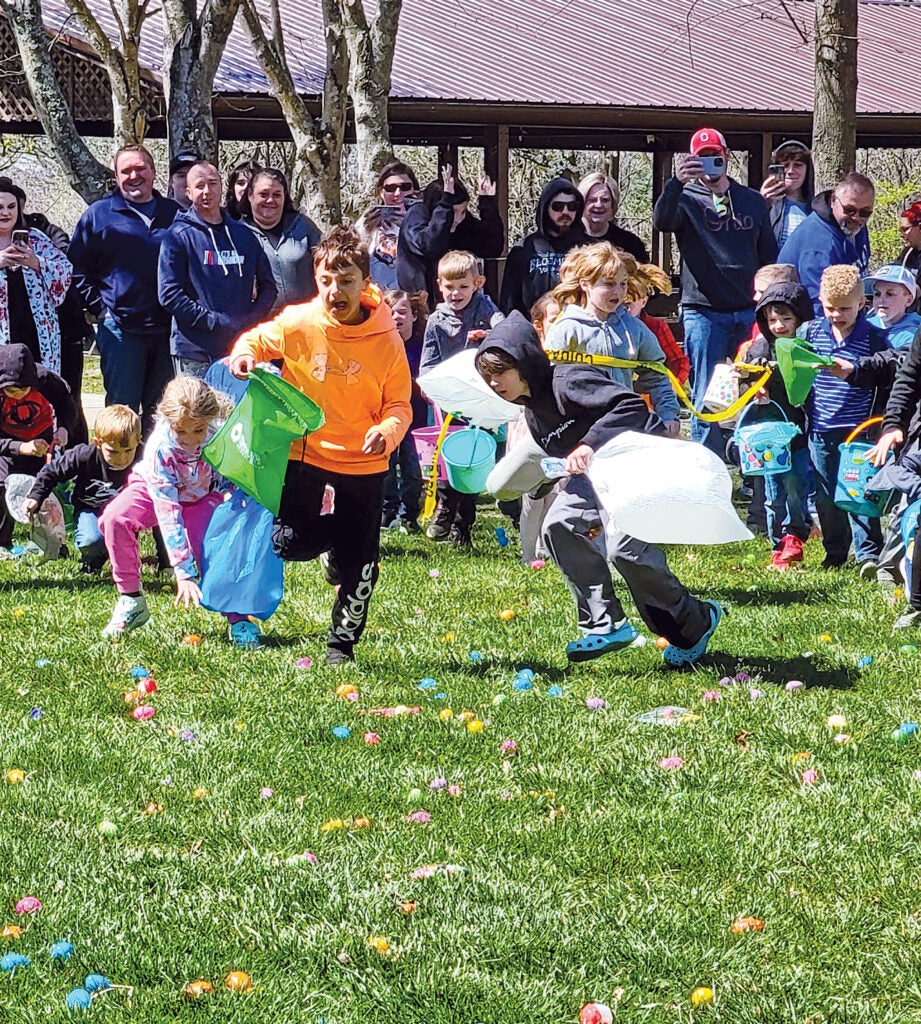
(586, 871)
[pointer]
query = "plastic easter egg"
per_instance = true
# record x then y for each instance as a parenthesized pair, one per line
(865, 662)
(15, 776)
(413, 796)
(474, 725)
(143, 713)
(107, 828)
(198, 988)
(904, 732)
(475, 657)
(78, 999)
(146, 686)
(428, 683)
(28, 905)
(445, 714)
(11, 961)
(501, 536)
(341, 732)
(62, 951)
(507, 614)
(522, 685)
(200, 793)
(702, 996)
(836, 722)
(595, 1013)
(11, 931)
(747, 924)
(555, 691)
(96, 983)
(908, 649)
(499, 699)
(239, 981)
(140, 672)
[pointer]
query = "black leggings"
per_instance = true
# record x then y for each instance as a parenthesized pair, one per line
(351, 533)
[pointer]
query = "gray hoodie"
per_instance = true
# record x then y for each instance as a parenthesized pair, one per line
(446, 332)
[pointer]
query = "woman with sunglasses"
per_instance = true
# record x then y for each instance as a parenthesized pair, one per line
(379, 226)
(442, 222)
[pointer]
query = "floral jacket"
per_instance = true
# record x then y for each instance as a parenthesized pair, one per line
(46, 289)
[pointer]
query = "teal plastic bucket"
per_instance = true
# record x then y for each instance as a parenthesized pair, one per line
(469, 456)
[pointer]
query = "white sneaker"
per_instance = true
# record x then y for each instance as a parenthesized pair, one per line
(129, 613)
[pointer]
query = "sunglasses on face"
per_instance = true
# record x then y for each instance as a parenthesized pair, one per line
(855, 211)
(400, 186)
(559, 206)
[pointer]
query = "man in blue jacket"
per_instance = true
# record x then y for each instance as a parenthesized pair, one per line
(114, 252)
(835, 232)
(724, 235)
(215, 279)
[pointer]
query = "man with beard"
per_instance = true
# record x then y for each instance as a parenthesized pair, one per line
(834, 233)
(533, 264)
(724, 235)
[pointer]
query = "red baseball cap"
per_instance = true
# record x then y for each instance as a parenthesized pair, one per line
(707, 138)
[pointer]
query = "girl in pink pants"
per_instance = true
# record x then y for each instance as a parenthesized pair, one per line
(174, 488)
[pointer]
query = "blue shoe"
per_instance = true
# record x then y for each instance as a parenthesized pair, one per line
(595, 644)
(677, 657)
(246, 635)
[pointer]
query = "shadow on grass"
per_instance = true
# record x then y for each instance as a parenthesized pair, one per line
(75, 583)
(778, 671)
(764, 595)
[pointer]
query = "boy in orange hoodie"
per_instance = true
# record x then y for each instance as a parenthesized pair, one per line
(343, 351)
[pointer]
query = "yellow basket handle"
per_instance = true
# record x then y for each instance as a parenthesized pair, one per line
(866, 423)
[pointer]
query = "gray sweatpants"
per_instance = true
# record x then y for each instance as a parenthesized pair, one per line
(574, 532)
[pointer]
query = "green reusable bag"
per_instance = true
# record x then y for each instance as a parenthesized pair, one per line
(251, 448)
(798, 366)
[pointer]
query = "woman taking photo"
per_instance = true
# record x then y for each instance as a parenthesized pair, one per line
(379, 226)
(34, 278)
(287, 237)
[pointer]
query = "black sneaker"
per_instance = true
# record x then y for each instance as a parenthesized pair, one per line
(460, 538)
(439, 529)
(339, 655)
(330, 569)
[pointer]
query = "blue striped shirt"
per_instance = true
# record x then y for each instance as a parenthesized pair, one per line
(833, 404)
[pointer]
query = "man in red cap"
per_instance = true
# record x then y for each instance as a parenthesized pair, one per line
(724, 235)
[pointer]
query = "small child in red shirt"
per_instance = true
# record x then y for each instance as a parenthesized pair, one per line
(647, 280)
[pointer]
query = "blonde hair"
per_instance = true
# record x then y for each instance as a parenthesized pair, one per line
(600, 178)
(840, 281)
(457, 264)
(192, 397)
(539, 313)
(646, 280)
(117, 425)
(589, 263)
(775, 273)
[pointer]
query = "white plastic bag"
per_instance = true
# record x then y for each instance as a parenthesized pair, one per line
(456, 387)
(665, 491)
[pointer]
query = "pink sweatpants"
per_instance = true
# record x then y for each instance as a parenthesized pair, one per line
(131, 511)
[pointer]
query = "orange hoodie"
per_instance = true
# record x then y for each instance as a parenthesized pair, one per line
(357, 374)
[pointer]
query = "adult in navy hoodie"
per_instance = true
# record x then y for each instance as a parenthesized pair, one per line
(835, 232)
(724, 235)
(114, 253)
(215, 278)
(533, 264)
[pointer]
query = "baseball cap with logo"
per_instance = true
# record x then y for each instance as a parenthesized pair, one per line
(706, 138)
(895, 273)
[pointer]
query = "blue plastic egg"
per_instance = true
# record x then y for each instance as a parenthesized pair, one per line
(96, 983)
(555, 691)
(140, 672)
(341, 732)
(62, 951)
(475, 657)
(526, 673)
(428, 683)
(10, 961)
(522, 684)
(78, 999)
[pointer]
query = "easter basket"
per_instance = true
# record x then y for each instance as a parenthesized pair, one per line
(764, 446)
(425, 440)
(853, 492)
(722, 390)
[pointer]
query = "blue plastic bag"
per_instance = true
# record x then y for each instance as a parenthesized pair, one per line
(240, 571)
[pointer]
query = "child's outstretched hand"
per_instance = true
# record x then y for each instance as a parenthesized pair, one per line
(578, 459)
(242, 366)
(374, 442)
(188, 593)
(877, 454)
(37, 447)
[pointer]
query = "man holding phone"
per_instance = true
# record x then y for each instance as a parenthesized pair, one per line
(724, 235)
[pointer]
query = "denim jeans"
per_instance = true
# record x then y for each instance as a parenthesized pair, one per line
(711, 337)
(785, 500)
(88, 538)
(403, 482)
(190, 367)
(838, 526)
(135, 368)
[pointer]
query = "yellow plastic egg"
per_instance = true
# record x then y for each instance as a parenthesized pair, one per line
(11, 931)
(200, 793)
(197, 989)
(445, 714)
(15, 775)
(379, 945)
(239, 981)
(825, 638)
(702, 996)
(507, 614)
(474, 725)
(449, 638)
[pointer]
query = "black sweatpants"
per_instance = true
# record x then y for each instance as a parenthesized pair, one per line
(351, 534)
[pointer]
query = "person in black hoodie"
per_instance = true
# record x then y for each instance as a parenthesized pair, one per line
(571, 410)
(532, 267)
(781, 310)
(441, 222)
(724, 235)
(36, 414)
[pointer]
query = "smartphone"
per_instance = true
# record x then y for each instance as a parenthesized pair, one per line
(777, 171)
(714, 166)
(21, 238)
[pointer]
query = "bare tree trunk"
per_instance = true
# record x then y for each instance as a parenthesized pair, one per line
(85, 174)
(371, 63)
(129, 118)
(834, 136)
(317, 142)
(192, 49)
